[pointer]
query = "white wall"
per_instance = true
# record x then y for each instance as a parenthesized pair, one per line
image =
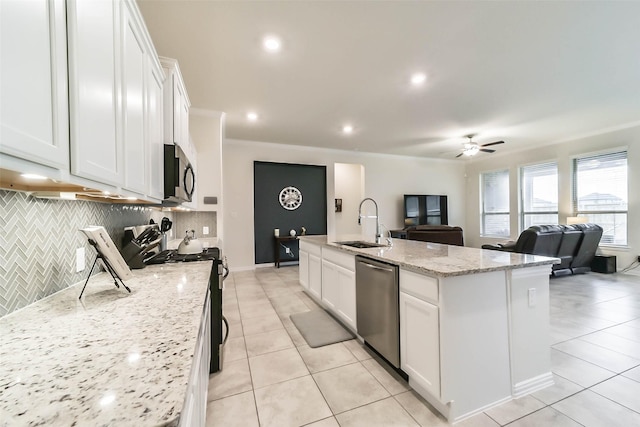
(563, 153)
(387, 178)
(349, 186)
(207, 130)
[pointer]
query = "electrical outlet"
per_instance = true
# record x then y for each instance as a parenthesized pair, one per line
(205, 230)
(532, 297)
(80, 260)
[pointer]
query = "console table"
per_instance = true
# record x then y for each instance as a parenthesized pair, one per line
(282, 240)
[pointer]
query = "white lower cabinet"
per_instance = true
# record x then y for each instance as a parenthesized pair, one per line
(194, 411)
(339, 285)
(303, 268)
(420, 342)
(315, 276)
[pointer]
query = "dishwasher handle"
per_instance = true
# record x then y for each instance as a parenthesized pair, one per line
(375, 267)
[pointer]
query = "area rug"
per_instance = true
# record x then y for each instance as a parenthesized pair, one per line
(318, 328)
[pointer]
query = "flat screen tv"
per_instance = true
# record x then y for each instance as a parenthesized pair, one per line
(425, 209)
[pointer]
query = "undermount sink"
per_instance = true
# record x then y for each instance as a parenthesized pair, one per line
(361, 244)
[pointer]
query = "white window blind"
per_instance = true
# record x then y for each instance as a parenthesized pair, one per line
(538, 194)
(494, 188)
(600, 193)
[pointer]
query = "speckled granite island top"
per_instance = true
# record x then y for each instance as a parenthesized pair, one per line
(434, 258)
(113, 359)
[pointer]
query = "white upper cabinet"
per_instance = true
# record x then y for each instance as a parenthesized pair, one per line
(33, 81)
(176, 105)
(134, 65)
(94, 90)
(154, 117)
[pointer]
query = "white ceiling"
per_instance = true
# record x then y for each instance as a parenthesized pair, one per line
(530, 73)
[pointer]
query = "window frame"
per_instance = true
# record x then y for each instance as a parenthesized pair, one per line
(521, 201)
(484, 214)
(574, 192)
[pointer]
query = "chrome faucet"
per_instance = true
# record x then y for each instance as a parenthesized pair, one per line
(378, 234)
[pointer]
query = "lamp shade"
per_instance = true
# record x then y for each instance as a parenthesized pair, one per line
(577, 220)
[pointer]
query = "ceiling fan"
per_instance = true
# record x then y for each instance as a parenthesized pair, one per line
(471, 148)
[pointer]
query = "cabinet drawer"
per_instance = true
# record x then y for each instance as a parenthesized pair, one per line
(310, 248)
(419, 285)
(340, 258)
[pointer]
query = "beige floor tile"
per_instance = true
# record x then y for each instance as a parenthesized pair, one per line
(625, 331)
(600, 356)
(234, 349)
(620, 389)
(421, 411)
(479, 420)
(348, 387)
(357, 349)
(235, 330)
(515, 409)
(296, 337)
(326, 357)
(634, 374)
(276, 367)
(591, 409)
(545, 417)
(268, 342)
(327, 422)
(383, 413)
(559, 390)
(614, 342)
(391, 381)
(577, 370)
(257, 325)
(233, 411)
(234, 378)
(291, 403)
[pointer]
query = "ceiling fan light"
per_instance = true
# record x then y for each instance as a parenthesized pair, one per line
(470, 150)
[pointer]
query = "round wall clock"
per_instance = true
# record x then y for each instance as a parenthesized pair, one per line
(290, 198)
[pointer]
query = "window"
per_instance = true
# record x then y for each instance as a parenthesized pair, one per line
(494, 189)
(600, 194)
(538, 195)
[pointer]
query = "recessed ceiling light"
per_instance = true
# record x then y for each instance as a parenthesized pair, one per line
(418, 78)
(271, 43)
(252, 116)
(347, 129)
(33, 176)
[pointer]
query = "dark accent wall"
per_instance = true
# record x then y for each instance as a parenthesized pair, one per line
(269, 179)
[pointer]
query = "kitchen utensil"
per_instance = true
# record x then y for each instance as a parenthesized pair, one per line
(165, 224)
(190, 244)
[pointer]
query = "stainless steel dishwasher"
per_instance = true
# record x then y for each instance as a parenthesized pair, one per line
(377, 307)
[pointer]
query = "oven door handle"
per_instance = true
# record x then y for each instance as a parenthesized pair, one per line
(226, 327)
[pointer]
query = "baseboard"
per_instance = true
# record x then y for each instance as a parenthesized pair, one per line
(533, 384)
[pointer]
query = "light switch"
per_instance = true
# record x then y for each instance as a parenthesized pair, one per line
(532, 297)
(79, 260)
(205, 230)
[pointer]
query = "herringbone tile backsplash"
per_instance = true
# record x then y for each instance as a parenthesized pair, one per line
(39, 237)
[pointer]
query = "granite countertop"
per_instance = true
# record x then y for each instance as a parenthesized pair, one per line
(434, 258)
(113, 359)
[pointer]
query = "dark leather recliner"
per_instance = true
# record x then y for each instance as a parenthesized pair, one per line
(445, 234)
(575, 245)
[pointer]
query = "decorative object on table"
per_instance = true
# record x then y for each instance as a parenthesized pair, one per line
(303, 231)
(292, 233)
(338, 205)
(290, 198)
(318, 328)
(107, 252)
(276, 232)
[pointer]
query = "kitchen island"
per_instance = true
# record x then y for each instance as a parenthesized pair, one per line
(113, 358)
(473, 323)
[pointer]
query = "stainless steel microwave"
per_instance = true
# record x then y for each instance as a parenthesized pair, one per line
(179, 176)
